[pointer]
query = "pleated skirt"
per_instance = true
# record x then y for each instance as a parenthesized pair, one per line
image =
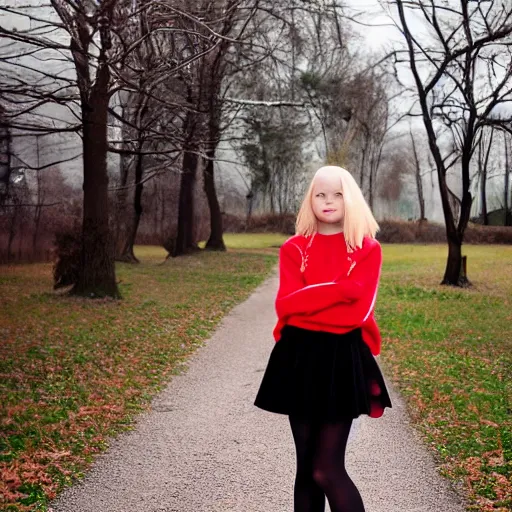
(324, 376)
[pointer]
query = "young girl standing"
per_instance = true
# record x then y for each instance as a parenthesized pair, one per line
(322, 372)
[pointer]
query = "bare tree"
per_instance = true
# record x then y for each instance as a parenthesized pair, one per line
(484, 151)
(89, 26)
(210, 26)
(507, 211)
(5, 156)
(151, 106)
(112, 49)
(292, 86)
(463, 78)
(82, 33)
(13, 211)
(217, 66)
(418, 176)
(371, 111)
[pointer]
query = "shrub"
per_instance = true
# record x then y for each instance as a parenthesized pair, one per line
(67, 252)
(478, 234)
(232, 223)
(391, 231)
(396, 232)
(277, 223)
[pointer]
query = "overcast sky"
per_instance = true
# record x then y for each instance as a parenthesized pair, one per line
(378, 29)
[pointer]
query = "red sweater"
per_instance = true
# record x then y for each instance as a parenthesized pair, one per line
(322, 287)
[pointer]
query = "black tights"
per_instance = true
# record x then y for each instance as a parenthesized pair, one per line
(321, 468)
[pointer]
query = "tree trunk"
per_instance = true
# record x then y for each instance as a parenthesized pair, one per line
(467, 198)
(12, 232)
(127, 255)
(507, 216)
(250, 203)
(185, 242)
(20, 240)
(455, 273)
(96, 275)
(419, 180)
(483, 163)
(37, 223)
(39, 199)
(122, 210)
(375, 160)
(453, 263)
(161, 196)
(156, 211)
(271, 198)
(362, 164)
(483, 197)
(215, 241)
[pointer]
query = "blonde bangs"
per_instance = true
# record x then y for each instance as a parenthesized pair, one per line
(358, 219)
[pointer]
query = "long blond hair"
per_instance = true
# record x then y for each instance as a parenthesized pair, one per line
(358, 220)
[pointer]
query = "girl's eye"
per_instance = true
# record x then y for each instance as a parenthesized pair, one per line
(339, 194)
(321, 194)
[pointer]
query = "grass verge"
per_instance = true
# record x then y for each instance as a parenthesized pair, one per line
(450, 352)
(75, 371)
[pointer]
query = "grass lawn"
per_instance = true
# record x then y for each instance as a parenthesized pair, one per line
(74, 371)
(450, 352)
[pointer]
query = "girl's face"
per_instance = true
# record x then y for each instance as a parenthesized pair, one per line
(327, 201)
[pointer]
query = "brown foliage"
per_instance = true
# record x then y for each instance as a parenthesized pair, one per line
(391, 231)
(281, 223)
(67, 251)
(51, 205)
(399, 232)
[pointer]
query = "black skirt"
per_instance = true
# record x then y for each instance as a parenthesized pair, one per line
(318, 375)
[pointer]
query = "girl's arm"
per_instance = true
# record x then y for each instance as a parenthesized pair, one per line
(363, 283)
(295, 298)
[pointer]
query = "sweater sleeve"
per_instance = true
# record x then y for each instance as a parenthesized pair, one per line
(293, 296)
(363, 280)
(362, 285)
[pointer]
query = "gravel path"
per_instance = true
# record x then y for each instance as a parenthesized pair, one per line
(204, 447)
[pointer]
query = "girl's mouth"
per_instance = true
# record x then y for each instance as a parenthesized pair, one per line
(329, 211)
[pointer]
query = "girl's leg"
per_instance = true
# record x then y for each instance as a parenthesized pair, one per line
(329, 468)
(308, 496)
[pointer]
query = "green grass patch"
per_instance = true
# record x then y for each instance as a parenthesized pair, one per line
(449, 350)
(252, 241)
(75, 371)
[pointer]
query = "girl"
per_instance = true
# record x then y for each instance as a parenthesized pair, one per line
(322, 372)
